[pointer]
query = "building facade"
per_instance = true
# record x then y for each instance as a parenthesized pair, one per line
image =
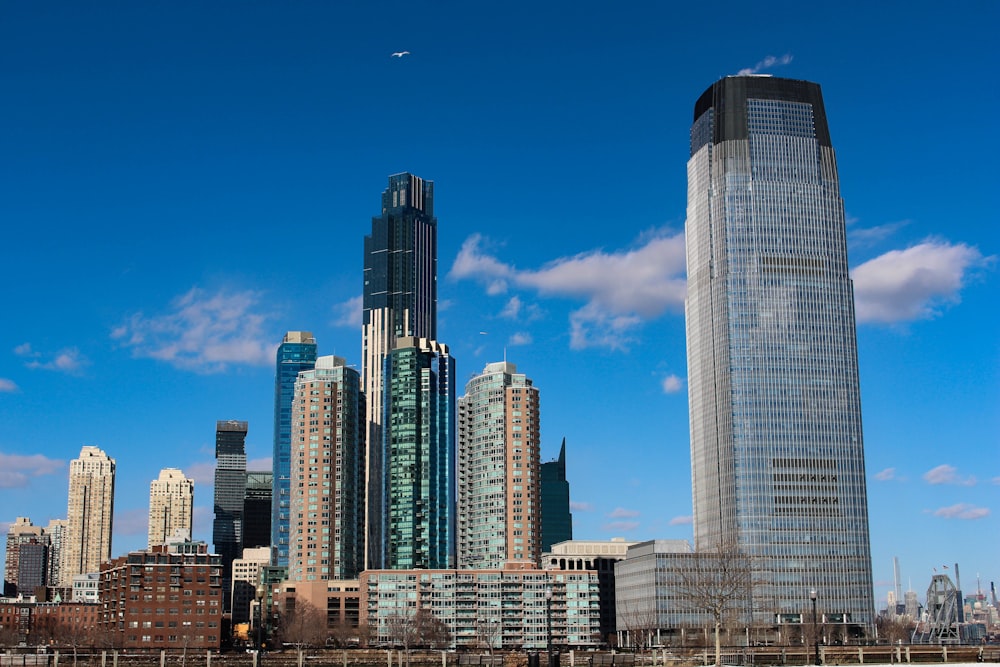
(499, 511)
(776, 443)
(557, 520)
(257, 506)
(246, 576)
(21, 532)
(171, 507)
(519, 607)
(166, 597)
(230, 489)
(296, 353)
(327, 502)
(90, 512)
(418, 451)
(400, 299)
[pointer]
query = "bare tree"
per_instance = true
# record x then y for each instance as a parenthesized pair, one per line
(304, 625)
(895, 629)
(9, 637)
(401, 627)
(431, 630)
(488, 631)
(641, 622)
(718, 583)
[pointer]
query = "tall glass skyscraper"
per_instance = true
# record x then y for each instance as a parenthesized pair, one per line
(400, 299)
(776, 447)
(230, 488)
(296, 353)
(557, 520)
(418, 448)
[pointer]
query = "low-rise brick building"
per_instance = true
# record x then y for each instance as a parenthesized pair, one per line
(169, 596)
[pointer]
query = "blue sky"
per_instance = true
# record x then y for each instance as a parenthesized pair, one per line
(181, 183)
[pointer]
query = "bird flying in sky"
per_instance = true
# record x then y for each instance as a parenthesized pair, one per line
(400, 54)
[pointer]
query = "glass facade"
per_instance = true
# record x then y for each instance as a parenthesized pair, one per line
(399, 299)
(230, 488)
(776, 443)
(296, 353)
(557, 520)
(257, 509)
(418, 448)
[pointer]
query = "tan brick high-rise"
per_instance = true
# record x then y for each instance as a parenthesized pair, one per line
(171, 504)
(87, 542)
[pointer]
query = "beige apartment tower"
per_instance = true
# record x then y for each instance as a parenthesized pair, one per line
(87, 542)
(499, 483)
(171, 503)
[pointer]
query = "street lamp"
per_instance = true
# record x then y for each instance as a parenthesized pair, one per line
(548, 623)
(260, 615)
(812, 596)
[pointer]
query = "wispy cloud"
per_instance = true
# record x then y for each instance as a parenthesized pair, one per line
(203, 332)
(349, 313)
(132, 522)
(255, 465)
(681, 521)
(766, 63)
(913, 284)
(512, 308)
(8, 386)
(16, 469)
(581, 506)
(962, 511)
(520, 338)
(946, 474)
(620, 526)
(886, 475)
(672, 384)
(68, 360)
(862, 237)
(621, 289)
(202, 473)
(622, 513)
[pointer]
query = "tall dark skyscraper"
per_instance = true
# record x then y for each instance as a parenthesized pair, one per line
(257, 509)
(557, 521)
(776, 444)
(296, 353)
(400, 299)
(230, 488)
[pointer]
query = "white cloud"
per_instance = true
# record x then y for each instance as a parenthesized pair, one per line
(202, 473)
(25, 350)
(17, 469)
(868, 236)
(68, 360)
(8, 386)
(581, 506)
(681, 521)
(257, 465)
(203, 332)
(350, 313)
(946, 474)
(621, 289)
(520, 338)
(620, 526)
(512, 309)
(766, 63)
(672, 384)
(622, 513)
(886, 475)
(913, 284)
(962, 511)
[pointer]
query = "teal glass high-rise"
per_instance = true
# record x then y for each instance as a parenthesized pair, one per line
(777, 457)
(418, 449)
(296, 353)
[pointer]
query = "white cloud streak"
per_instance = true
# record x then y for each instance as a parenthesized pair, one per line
(581, 506)
(16, 470)
(349, 313)
(946, 474)
(681, 521)
(962, 511)
(620, 526)
(520, 338)
(68, 360)
(622, 513)
(8, 386)
(913, 284)
(886, 475)
(766, 63)
(621, 289)
(203, 332)
(672, 384)
(862, 237)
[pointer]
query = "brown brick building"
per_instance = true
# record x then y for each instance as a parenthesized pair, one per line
(165, 597)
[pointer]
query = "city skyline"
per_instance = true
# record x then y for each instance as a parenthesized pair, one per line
(182, 163)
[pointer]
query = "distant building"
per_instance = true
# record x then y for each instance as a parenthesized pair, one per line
(557, 521)
(419, 455)
(189, 615)
(338, 600)
(296, 353)
(87, 588)
(21, 532)
(257, 503)
(171, 506)
(56, 533)
(600, 557)
(90, 511)
(503, 609)
(499, 506)
(246, 576)
(230, 489)
(399, 300)
(327, 501)
(66, 623)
